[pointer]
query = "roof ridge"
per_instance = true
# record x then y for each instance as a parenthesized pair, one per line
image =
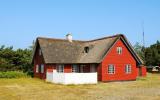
(82, 40)
(58, 39)
(106, 37)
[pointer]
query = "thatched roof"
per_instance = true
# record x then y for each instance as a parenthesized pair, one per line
(63, 51)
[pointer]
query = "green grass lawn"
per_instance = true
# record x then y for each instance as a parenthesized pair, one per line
(35, 89)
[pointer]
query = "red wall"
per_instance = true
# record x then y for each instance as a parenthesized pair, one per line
(143, 71)
(38, 60)
(99, 72)
(119, 61)
(67, 68)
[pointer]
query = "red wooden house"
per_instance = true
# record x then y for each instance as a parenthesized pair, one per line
(112, 58)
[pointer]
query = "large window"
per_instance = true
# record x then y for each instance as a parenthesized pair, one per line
(42, 68)
(119, 50)
(60, 68)
(37, 68)
(75, 68)
(128, 68)
(111, 69)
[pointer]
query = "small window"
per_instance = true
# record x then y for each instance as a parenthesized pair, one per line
(40, 52)
(111, 69)
(128, 68)
(37, 68)
(119, 50)
(60, 68)
(86, 49)
(75, 68)
(42, 68)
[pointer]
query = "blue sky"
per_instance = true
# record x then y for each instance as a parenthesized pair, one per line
(21, 21)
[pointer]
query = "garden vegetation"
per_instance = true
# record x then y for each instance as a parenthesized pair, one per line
(15, 63)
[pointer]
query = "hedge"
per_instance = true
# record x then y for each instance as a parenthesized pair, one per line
(13, 74)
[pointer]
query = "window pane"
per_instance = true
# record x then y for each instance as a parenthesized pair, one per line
(128, 68)
(75, 68)
(111, 69)
(42, 68)
(37, 68)
(60, 68)
(119, 50)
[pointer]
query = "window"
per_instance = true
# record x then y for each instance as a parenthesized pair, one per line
(40, 52)
(37, 68)
(86, 49)
(92, 68)
(60, 68)
(111, 69)
(119, 50)
(42, 68)
(128, 68)
(75, 68)
(81, 68)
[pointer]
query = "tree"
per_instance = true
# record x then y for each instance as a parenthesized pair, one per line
(19, 59)
(152, 54)
(140, 51)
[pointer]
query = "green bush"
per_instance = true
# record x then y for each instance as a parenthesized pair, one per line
(13, 74)
(30, 73)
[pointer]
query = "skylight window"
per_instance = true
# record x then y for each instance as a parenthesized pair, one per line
(86, 49)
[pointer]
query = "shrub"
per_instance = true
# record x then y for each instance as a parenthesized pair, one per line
(30, 73)
(13, 74)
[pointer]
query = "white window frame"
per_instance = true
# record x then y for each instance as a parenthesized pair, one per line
(37, 68)
(75, 68)
(60, 68)
(119, 50)
(128, 69)
(42, 68)
(111, 69)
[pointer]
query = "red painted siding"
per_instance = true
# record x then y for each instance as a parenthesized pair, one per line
(143, 71)
(119, 61)
(50, 67)
(38, 60)
(67, 68)
(99, 72)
